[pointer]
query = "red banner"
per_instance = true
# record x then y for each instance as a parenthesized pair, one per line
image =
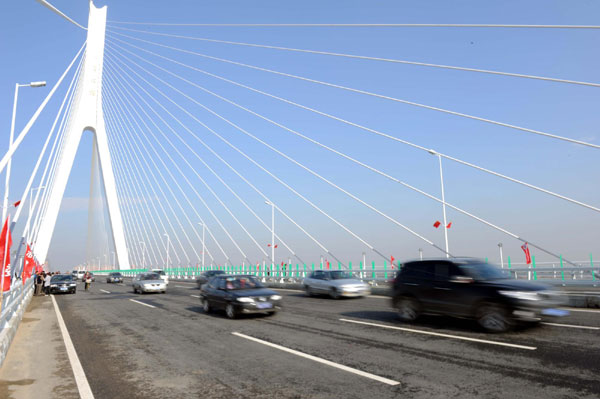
(525, 249)
(28, 264)
(5, 244)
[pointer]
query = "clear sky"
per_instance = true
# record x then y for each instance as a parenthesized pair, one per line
(38, 45)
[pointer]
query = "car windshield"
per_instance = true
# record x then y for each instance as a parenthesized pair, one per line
(61, 277)
(484, 271)
(115, 274)
(242, 283)
(150, 276)
(160, 272)
(341, 275)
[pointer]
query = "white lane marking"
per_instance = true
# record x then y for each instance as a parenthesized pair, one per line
(195, 296)
(572, 326)
(181, 286)
(106, 292)
(142, 303)
(380, 297)
(319, 360)
(459, 337)
(85, 392)
(582, 310)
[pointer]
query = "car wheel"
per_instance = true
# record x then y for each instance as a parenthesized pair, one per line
(334, 293)
(493, 317)
(206, 305)
(408, 308)
(272, 313)
(230, 311)
(308, 290)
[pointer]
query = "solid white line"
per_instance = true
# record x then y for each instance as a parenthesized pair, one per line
(142, 303)
(582, 310)
(106, 292)
(572, 326)
(181, 286)
(483, 341)
(85, 392)
(319, 360)
(195, 296)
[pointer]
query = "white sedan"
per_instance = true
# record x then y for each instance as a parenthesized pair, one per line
(148, 282)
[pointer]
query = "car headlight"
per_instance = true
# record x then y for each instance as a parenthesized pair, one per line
(72, 284)
(523, 295)
(53, 285)
(245, 299)
(275, 297)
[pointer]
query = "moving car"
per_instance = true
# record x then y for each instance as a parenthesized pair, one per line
(238, 294)
(162, 275)
(204, 277)
(63, 283)
(471, 288)
(149, 282)
(336, 284)
(78, 274)
(114, 277)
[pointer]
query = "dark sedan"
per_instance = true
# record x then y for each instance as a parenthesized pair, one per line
(115, 277)
(238, 295)
(62, 283)
(204, 277)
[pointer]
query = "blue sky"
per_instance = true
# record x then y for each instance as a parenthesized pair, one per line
(38, 45)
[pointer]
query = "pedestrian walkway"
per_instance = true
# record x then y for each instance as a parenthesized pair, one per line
(37, 365)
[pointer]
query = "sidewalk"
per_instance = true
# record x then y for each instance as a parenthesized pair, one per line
(37, 365)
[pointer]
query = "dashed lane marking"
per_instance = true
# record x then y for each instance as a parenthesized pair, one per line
(106, 292)
(195, 296)
(319, 360)
(142, 303)
(85, 392)
(572, 326)
(459, 337)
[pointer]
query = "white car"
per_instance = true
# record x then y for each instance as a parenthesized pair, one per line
(162, 275)
(148, 282)
(78, 274)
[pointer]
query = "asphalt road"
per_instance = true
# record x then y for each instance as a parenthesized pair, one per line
(174, 350)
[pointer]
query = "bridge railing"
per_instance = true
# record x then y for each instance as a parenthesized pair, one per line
(14, 303)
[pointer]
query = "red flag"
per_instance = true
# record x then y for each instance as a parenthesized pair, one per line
(268, 245)
(449, 225)
(16, 204)
(436, 224)
(525, 249)
(29, 264)
(327, 262)
(5, 244)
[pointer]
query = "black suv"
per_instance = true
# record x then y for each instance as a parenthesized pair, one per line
(472, 288)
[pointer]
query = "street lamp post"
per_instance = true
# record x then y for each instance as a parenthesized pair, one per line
(10, 140)
(421, 253)
(168, 245)
(143, 255)
(203, 245)
(501, 257)
(272, 232)
(433, 152)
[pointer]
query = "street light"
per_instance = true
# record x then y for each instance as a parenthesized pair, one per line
(10, 141)
(433, 152)
(203, 245)
(272, 232)
(501, 258)
(168, 244)
(143, 255)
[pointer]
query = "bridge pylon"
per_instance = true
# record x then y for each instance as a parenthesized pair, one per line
(86, 114)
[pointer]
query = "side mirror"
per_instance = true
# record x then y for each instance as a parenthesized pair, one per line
(461, 279)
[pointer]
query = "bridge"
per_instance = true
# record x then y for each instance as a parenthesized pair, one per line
(279, 144)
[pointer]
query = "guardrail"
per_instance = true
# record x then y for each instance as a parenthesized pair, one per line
(14, 303)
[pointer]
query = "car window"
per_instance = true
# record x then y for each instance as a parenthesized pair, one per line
(442, 271)
(418, 270)
(222, 284)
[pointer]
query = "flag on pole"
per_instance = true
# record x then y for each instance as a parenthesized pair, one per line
(16, 204)
(327, 262)
(436, 224)
(449, 225)
(392, 259)
(29, 264)
(5, 244)
(268, 245)
(525, 249)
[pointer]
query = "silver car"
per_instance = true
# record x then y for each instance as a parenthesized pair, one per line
(149, 282)
(335, 283)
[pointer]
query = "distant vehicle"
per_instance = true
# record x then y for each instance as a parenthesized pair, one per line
(62, 283)
(204, 277)
(149, 282)
(471, 288)
(237, 295)
(336, 284)
(114, 277)
(162, 274)
(78, 274)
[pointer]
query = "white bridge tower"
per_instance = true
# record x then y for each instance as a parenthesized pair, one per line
(86, 114)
